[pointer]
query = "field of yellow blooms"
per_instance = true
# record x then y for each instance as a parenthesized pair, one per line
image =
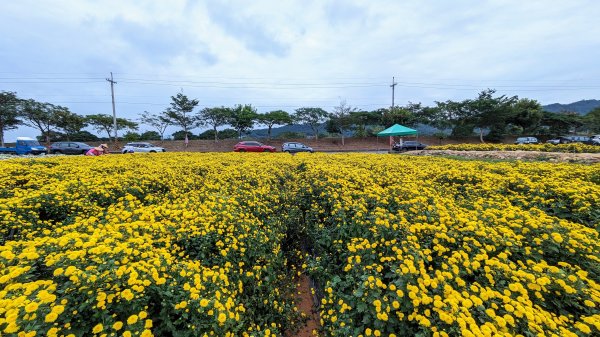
(569, 148)
(182, 244)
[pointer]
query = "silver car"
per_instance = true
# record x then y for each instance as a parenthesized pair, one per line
(293, 147)
(141, 147)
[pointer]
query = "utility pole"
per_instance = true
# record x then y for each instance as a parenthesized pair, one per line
(112, 92)
(393, 87)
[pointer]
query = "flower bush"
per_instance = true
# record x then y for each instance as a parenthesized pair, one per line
(182, 244)
(572, 148)
(139, 246)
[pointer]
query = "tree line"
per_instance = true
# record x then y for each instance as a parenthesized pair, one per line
(489, 115)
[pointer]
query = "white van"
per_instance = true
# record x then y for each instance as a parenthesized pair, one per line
(526, 140)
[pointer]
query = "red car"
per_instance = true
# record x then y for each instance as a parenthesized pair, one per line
(251, 146)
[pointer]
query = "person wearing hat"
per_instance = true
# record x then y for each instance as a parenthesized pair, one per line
(98, 150)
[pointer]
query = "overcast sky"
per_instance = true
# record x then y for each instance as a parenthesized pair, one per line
(290, 54)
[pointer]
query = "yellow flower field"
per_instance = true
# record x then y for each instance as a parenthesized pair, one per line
(572, 148)
(183, 244)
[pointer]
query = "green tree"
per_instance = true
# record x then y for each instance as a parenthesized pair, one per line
(131, 136)
(561, 123)
(83, 136)
(104, 122)
(491, 112)
(242, 118)
(180, 113)
(214, 117)
(70, 123)
(180, 135)
(592, 120)
(158, 122)
(455, 116)
(340, 120)
(313, 117)
(151, 135)
(362, 119)
(527, 114)
(272, 118)
(486, 111)
(9, 113)
(408, 115)
(227, 134)
(40, 116)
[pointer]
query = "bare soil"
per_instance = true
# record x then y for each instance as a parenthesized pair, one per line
(306, 305)
(588, 158)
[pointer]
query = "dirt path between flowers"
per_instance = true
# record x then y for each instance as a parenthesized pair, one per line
(588, 158)
(305, 305)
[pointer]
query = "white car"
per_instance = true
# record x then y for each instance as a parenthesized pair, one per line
(141, 147)
(526, 140)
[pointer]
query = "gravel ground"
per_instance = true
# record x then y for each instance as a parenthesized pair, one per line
(518, 155)
(29, 156)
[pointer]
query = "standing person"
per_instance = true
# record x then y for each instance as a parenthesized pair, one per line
(98, 151)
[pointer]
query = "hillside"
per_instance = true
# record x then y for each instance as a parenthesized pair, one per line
(581, 107)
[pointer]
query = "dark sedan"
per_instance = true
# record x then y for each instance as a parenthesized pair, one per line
(251, 146)
(408, 146)
(69, 148)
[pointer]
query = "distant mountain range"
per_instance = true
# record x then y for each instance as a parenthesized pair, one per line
(581, 107)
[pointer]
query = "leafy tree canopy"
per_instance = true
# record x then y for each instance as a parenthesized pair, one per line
(312, 117)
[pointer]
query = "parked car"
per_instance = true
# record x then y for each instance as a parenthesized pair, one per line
(571, 139)
(408, 146)
(25, 145)
(526, 140)
(141, 147)
(595, 140)
(69, 148)
(252, 146)
(558, 140)
(293, 147)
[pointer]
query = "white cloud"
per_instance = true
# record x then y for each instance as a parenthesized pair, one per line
(258, 52)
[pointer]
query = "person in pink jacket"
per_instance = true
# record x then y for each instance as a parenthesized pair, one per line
(98, 150)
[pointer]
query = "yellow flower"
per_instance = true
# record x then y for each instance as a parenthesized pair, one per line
(557, 237)
(583, 328)
(132, 319)
(51, 317)
(117, 325)
(31, 307)
(98, 328)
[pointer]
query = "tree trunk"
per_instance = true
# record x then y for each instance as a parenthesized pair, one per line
(481, 135)
(270, 126)
(343, 143)
(2, 136)
(216, 137)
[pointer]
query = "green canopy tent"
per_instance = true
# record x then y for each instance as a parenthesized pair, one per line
(397, 130)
